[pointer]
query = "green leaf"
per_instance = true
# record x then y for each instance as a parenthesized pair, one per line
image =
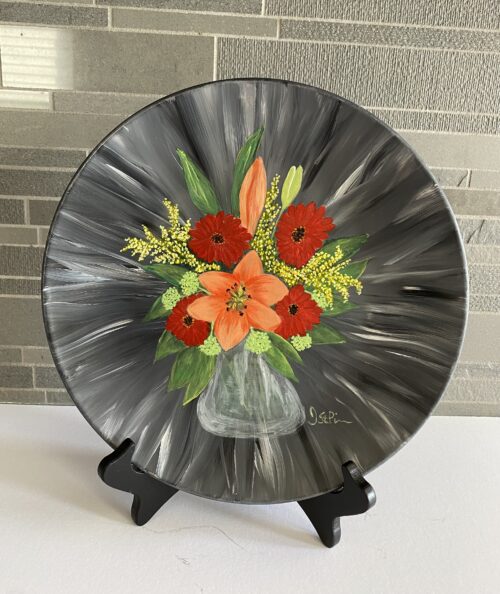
(157, 310)
(348, 245)
(199, 379)
(244, 159)
(338, 308)
(323, 334)
(291, 186)
(167, 272)
(355, 269)
(185, 365)
(199, 187)
(167, 345)
(285, 347)
(278, 361)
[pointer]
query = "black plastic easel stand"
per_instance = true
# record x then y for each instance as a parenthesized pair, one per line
(356, 496)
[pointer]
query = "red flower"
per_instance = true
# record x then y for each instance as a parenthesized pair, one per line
(192, 332)
(301, 231)
(298, 312)
(219, 238)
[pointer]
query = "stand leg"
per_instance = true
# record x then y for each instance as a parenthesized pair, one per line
(356, 496)
(118, 471)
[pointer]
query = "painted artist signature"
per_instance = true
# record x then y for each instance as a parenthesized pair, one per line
(325, 417)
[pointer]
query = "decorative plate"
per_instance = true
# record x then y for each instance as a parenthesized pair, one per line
(256, 281)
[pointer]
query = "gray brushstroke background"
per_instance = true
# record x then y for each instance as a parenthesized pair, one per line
(401, 342)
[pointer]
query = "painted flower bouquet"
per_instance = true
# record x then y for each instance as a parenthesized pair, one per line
(247, 291)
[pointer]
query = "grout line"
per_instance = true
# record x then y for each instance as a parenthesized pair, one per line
(26, 211)
(214, 74)
(263, 8)
(33, 376)
(37, 168)
(278, 29)
(469, 176)
(110, 17)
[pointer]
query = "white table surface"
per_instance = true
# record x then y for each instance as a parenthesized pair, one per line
(435, 527)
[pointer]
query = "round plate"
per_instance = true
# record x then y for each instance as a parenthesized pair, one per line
(378, 362)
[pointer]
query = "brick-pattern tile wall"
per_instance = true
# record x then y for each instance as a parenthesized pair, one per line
(70, 71)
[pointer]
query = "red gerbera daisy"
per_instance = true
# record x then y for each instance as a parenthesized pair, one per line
(301, 231)
(192, 332)
(298, 312)
(219, 238)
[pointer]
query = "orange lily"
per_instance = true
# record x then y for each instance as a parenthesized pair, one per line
(239, 301)
(253, 195)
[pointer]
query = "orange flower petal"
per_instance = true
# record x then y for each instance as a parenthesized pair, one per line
(216, 282)
(249, 266)
(230, 329)
(253, 195)
(262, 317)
(206, 308)
(266, 288)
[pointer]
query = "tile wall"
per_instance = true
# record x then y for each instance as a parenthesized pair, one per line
(71, 71)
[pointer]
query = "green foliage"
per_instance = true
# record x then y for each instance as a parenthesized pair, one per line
(338, 308)
(244, 159)
(278, 361)
(167, 345)
(199, 187)
(200, 378)
(348, 245)
(168, 272)
(355, 269)
(157, 310)
(285, 347)
(323, 334)
(291, 186)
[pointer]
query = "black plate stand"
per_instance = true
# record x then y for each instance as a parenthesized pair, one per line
(356, 496)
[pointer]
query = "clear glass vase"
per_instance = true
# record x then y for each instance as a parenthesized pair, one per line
(247, 398)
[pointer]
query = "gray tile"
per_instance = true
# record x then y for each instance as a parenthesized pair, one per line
(24, 99)
(481, 14)
(40, 157)
(437, 121)
(58, 397)
(239, 6)
(376, 76)
(11, 211)
(55, 129)
(21, 322)
(18, 235)
(107, 61)
(10, 355)
(484, 279)
(37, 356)
(480, 254)
(43, 233)
(22, 396)
(451, 178)
(485, 303)
(468, 409)
(482, 339)
(101, 103)
(474, 202)
(79, 16)
(485, 179)
(469, 391)
(47, 377)
(196, 23)
(19, 286)
(16, 376)
(34, 182)
(482, 231)
(374, 34)
(476, 371)
(456, 150)
(41, 212)
(20, 261)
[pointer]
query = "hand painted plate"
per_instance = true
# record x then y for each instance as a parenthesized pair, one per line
(256, 281)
